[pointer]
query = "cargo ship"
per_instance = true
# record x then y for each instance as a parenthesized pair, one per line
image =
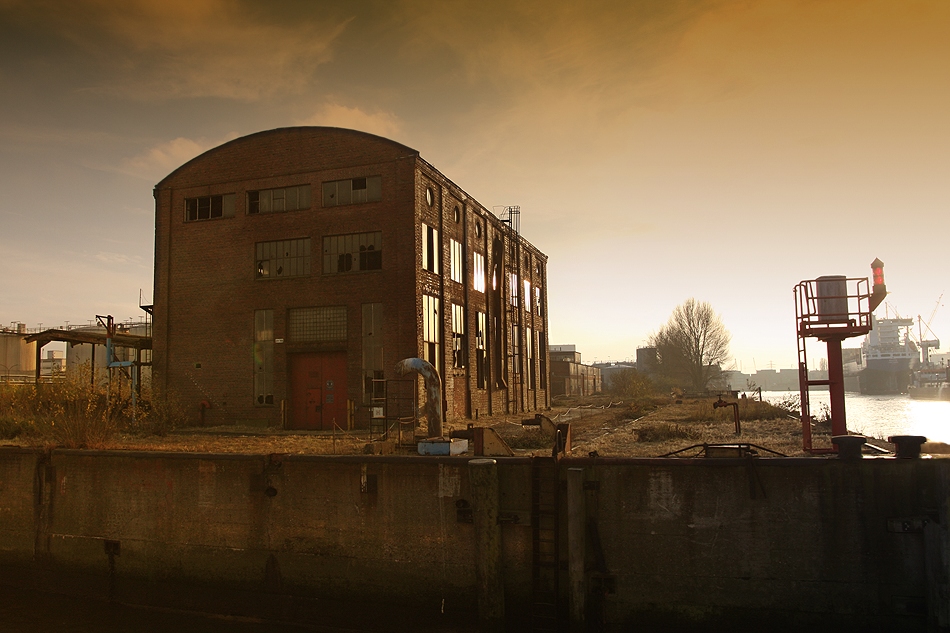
(889, 357)
(930, 384)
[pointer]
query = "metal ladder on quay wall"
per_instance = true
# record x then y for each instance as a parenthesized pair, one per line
(545, 543)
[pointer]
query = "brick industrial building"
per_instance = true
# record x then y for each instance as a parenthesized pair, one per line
(295, 267)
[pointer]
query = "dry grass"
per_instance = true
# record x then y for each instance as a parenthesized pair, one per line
(72, 413)
(648, 427)
(622, 429)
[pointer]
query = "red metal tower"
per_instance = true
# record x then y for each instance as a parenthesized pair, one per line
(831, 309)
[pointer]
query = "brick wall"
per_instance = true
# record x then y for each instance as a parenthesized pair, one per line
(206, 290)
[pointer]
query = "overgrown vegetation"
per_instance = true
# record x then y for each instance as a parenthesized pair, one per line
(530, 439)
(666, 431)
(630, 383)
(73, 413)
(748, 410)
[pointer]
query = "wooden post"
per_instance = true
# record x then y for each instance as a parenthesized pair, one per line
(576, 546)
(937, 555)
(483, 478)
(39, 362)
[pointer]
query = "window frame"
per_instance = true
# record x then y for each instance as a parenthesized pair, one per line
(431, 249)
(478, 272)
(340, 193)
(256, 199)
(360, 253)
(297, 254)
(456, 259)
(431, 330)
(218, 206)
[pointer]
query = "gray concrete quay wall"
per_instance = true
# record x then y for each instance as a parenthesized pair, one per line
(381, 542)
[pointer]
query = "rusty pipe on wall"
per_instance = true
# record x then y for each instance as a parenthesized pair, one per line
(433, 383)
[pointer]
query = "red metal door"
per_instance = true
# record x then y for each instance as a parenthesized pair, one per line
(318, 390)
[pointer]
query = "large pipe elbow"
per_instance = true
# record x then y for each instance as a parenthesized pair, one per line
(433, 384)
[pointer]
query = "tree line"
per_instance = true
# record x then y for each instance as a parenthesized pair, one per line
(690, 350)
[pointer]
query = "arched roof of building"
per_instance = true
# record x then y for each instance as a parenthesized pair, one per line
(284, 151)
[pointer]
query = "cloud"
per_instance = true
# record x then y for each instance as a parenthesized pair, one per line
(158, 161)
(184, 48)
(336, 115)
(121, 259)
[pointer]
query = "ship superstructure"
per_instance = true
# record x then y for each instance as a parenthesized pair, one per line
(890, 355)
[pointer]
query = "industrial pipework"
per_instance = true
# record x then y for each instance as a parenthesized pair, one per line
(433, 383)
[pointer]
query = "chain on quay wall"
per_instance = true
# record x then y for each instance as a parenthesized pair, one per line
(453, 543)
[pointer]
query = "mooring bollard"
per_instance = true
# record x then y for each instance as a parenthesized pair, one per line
(483, 479)
(576, 546)
(849, 446)
(908, 446)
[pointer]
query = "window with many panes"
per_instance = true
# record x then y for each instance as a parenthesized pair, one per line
(431, 248)
(529, 358)
(322, 324)
(460, 341)
(263, 357)
(209, 207)
(513, 283)
(515, 350)
(542, 360)
(283, 258)
(455, 261)
(352, 191)
(431, 330)
(277, 200)
(352, 253)
(481, 362)
(374, 386)
(478, 272)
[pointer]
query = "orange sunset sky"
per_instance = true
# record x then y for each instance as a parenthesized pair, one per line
(659, 150)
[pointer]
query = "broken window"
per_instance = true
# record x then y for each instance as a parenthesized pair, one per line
(455, 261)
(352, 253)
(460, 341)
(321, 324)
(352, 191)
(515, 350)
(478, 272)
(209, 207)
(538, 307)
(284, 258)
(431, 330)
(374, 386)
(542, 360)
(264, 357)
(431, 248)
(481, 363)
(529, 357)
(277, 200)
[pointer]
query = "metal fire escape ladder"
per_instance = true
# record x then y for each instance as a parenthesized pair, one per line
(514, 309)
(545, 543)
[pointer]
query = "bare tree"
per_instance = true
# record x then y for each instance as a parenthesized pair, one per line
(692, 345)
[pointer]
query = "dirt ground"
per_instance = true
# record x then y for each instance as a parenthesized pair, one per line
(598, 425)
